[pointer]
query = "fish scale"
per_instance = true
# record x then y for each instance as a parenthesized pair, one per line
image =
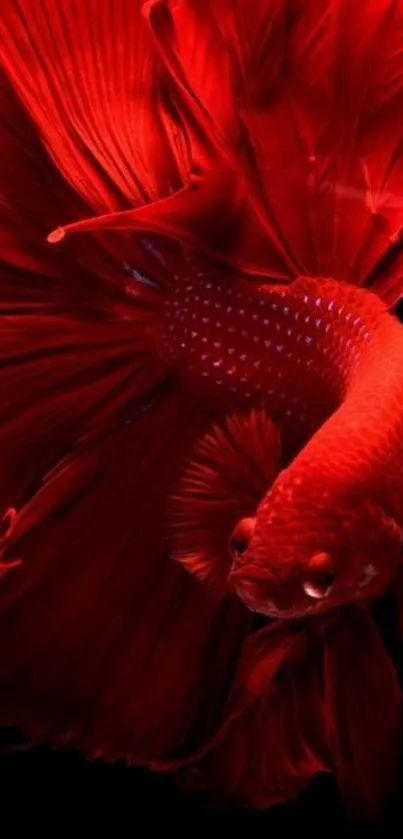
(235, 342)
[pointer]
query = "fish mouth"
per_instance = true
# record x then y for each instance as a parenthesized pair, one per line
(281, 604)
(267, 592)
(323, 583)
(270, 609)
(273, 601)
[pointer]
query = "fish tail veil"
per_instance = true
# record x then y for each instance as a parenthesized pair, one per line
(105, 640)
(107, 644)
(278, 184)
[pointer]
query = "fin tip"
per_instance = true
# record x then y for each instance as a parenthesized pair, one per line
(56, 236)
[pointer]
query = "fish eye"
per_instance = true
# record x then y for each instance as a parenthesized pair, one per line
(240, 538)
(320, 576)
(317, 592)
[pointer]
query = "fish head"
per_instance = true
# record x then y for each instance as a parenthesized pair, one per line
(305, 551)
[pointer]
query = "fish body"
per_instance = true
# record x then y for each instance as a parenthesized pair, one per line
(326, 361)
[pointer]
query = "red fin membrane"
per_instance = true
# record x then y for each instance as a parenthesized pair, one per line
(315, 139)
(271, 740)
(85, 276)
(60, 377)
(210, 215)
(89, 79)
(105, 642)
(363, 712)
(301, 170)
(215, 211)
(230, 470)
(319, 696)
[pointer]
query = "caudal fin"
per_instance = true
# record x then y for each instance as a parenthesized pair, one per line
(292, 174)
(105, 641)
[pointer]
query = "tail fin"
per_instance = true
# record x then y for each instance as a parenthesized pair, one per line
(105, 642)
(363, 713)
(307, 698)
(294, 173)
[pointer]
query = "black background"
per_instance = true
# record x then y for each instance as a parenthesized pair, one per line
(59, 794)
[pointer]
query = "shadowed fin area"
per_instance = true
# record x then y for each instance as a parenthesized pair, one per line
(83, 275)
(397, 591)
(249, 241)
(271, 741)
(363, 702)
(124, 654)
(211, 215)
(106, 644)
(61, 376)
(228, 472)
(290, 715)
(95, 617)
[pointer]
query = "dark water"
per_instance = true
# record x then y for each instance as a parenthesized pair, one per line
(59, 794)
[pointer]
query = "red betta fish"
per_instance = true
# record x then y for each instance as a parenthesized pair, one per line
(213, 377)
(322, 358)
